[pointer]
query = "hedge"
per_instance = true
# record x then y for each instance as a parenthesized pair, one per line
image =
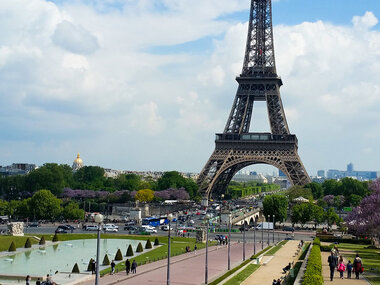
(129, 251)
(75, 268)
(106, 260)
(42, 241)
(139, 248)
(28, 244)
(89, 267)
(119, 255)
(12, 247)
(55, 238)
(148, 244)
(316, 241)
(346, 240)
(327, 248)
(313, 273)
(156, 242)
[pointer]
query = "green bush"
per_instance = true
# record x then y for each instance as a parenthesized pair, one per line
(148, 244)
(129, 251)
(346, 240)
(55, 238)
(12, 247)
(42, 241)
(89, 267)
(139, 248)
(156, 242)
(119, 255)
(28, 244)
(313, 273)
(327, 248)
(317, 242)
(106, 260)
(75, 268)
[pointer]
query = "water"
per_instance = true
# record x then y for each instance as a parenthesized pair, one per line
(62, 257)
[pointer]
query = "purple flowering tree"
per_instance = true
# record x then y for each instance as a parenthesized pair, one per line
(173, 194)
(329, 199)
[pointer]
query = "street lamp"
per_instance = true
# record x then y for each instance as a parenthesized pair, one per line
(273, 227)
(254, 236)
(98, 219)
(262, 233)
(268, 227)
(170, 218)
(244, 238)
(229, 241)
(220, 209)
(207, 217)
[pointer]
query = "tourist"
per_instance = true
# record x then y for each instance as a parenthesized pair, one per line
(127, 266)
(358, 266)
(333, 262)
(349, 269)
(286, 268)
(93, 266)
(27, 280)
(48, 280)
(38, 282)
(134, 266)
(341, 267)
(195, 249)
(274, 282)
(112, 267)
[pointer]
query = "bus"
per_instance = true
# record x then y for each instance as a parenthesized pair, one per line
(156, 221)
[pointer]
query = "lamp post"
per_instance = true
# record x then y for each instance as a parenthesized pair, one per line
(206, 265)
(220, 209)
(98, 219)
(268, 228)
(262, 234)
(254, 237)
(273, 227)
(229, 241)
(170, 218)
(244, 238)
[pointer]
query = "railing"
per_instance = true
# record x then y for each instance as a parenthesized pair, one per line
(261, 137)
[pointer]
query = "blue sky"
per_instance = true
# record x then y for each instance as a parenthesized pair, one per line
(145, 84)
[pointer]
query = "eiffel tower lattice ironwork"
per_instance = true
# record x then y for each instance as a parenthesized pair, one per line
(236, 147)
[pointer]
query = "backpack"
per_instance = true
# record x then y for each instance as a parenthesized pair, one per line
(341, 267)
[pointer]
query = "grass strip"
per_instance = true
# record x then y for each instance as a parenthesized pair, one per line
(5, 242)
(304, 251)
(233, 270)
(276, 248)
(244, 274)
(374, 280)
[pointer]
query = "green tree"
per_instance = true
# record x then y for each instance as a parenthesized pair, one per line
(42, 241)
(3, 207)
(156, 242)
(128, 182)
(276, 205)
(55, 238)
(318, 215)
(173, 179)
(298, 191)
(316, 189)
(90, 177)
(72, 212)
(45, 205)
(302, 213)
(354, 200)
(145, 195)
(331, 187)
(331, 217)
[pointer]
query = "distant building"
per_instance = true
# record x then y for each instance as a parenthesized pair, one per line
(246, 178)
(321, 173)
(17, 169)
(350, 172)
(350, 167)
(281, 174)
(78, 163)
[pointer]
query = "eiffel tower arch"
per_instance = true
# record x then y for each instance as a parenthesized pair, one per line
(236, 147)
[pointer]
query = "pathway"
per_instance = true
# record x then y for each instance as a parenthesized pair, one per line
(272, 266)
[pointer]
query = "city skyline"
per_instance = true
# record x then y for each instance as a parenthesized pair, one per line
(145, 85)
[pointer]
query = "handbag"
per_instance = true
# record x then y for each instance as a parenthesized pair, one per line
(362, 270)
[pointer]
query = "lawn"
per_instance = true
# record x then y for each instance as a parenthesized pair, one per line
(244, 274)
(5, 242)
(276, 248)
(370, 259)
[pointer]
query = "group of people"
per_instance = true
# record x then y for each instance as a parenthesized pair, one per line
(276, 282)
(48, 280)
(223, 240)
(130, 267)
(335, 263)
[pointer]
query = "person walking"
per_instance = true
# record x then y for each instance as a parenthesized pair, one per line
(93, 267)
(341, 267)
(333, 262)
(195, 249)
(349, 269)
(27, 280)
(134, 266)
(127, 266)
(358, 266)
(112, 267)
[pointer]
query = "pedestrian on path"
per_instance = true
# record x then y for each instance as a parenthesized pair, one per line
(195, 249)
(333, 262)
(134, 266)
(358, 266)
(27, 280)
(127, 266)
(341, 267)
(349, 269)
(112, 267)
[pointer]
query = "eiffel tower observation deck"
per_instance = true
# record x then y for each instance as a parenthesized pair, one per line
(236, 147)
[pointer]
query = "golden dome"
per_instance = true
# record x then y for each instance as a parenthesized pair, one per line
(78, 160)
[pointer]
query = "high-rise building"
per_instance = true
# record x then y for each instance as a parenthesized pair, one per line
(321, 173)
(350, 167)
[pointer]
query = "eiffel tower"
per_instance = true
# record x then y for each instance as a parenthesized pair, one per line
(236, 147)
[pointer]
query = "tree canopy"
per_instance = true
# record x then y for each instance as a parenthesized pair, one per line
(276, 205)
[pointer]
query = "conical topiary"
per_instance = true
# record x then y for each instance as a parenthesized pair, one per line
(129, 251)
(55, 238)
(139, 248)
(42, 241)
(148, 244)
(12, 247)
(156, 242)
(106, 260)
(28, 244)
(89, 267)
(119, 255)
(75, 268)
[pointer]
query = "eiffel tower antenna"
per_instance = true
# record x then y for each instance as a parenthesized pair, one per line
(236, 147)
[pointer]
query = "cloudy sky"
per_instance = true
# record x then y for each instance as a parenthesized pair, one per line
(145, 84)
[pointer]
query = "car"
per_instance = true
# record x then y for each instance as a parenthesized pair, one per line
(129, 228)
(70, 227)
(149, 230)
(166, 228)
(60, 231)
(92, 228)
(110, 229)
(148, 227)
(131, 223)
(289, 238)
(63, 227)
(34, 225)
(288, 229)
(111, 226)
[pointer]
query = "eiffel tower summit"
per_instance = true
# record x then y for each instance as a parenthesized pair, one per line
(236, 147)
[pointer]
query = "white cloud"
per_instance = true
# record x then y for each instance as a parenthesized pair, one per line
(368, 20)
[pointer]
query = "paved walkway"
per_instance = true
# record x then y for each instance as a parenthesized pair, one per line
(185, 269)
(272, 265)
(337, 280)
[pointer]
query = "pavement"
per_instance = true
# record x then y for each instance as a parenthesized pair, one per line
(184, 269)
(272, 265)
(337, 280)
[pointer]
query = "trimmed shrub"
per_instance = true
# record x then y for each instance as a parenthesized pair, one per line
(119, 255)
(346, 240)
(90, 265)
(42, 241)
(313, 273)
(106, 260)
(327, 248)
(129, 251)
(148, 244)
(317, 242)
(75, 268)
(156, 242)
(139, 248)
(28, 244)
(55, 238)
(12, 247)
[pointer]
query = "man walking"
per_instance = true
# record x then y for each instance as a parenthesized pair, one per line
(333, 262)
(127, 266)
(112, 267)
(134, 266)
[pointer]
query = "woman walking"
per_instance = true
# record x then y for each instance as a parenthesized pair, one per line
(358, 266)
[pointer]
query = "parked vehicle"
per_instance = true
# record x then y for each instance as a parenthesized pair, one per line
(34, 225)
(60, 231)
(166, 228)
(149, 230)
(265, 226)
(92, 228)
(288, 229)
